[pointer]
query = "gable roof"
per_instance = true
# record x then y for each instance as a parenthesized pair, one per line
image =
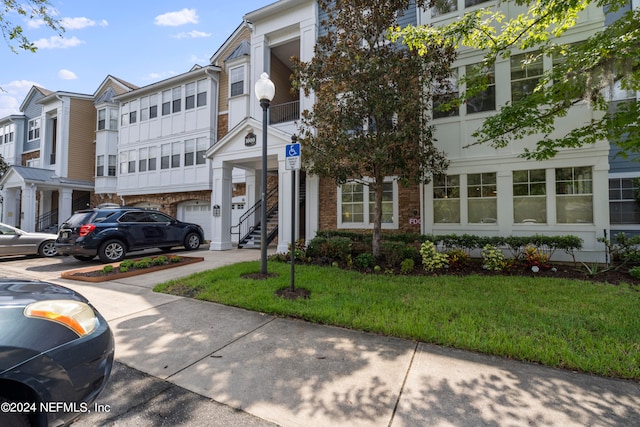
(35, 90)
(243, 49)
(216, 57)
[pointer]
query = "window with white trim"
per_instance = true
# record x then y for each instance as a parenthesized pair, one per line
(526, 70)
(486, 99)
(190, 96)
(144, 108)
(482, 197)
(124, 116)
(166, 102)
(100, 165)
(176, 96)
(34, 129)
(189, 152)
(153, 106)
(356, 203)
(574, 195)
(201, 97)
(153, 155)
(236, 81)
(440, 7)
(623, 206)
(112, 165)
(143, 157)
(176, 148)
(165, 156)
(102, 120)
(201, 149)
(131, 165)
(446, 199)
(443, 94)
(530, 196)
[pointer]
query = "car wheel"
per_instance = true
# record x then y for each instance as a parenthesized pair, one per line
(112, 251)
(48, 249)
(83, 258)
(192, 241)
(9, 418)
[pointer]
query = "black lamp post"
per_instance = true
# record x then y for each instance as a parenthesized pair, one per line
(265, 90)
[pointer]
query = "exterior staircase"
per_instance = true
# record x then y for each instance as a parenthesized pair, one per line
(249, 228)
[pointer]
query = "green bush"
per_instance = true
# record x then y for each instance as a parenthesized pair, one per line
(635, 272)
(123, 269)
(364, 260)
(142, 263)
(159, 260)
(458, 258)
(127, 263)
(492, 258)
(432, 259)
(407, 265)
(174, 258)
(392, 252)
(339, 248)
(107, 269)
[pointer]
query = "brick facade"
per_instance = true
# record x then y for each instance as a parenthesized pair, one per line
(30, 156)
(408, 207)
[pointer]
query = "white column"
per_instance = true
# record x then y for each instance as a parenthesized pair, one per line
(312, 210)
(285, 200)
(65, 204)
(10, 203)
(28, 214)
(221, 197)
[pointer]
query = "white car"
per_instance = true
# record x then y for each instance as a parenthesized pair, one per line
(14, 241)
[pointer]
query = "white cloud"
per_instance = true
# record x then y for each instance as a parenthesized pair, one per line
(192, 35)
(173, 19)
(35, 23)
(57, 43)
(81, 22)
(196, 60)
(12, 95)
(67, 75)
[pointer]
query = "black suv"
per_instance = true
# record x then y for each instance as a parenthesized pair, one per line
(112, 232)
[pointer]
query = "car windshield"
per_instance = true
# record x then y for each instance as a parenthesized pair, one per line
(78, 219)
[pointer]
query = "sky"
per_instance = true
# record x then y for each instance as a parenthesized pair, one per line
(141, 42)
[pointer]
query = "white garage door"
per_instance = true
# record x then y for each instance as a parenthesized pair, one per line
(198, 212)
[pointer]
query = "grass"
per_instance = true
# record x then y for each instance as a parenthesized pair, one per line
(570, 324)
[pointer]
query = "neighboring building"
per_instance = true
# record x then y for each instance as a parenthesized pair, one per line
(54, 177)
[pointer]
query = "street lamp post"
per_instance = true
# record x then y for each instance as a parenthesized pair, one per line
(265, 90)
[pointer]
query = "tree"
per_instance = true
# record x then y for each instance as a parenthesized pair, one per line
(31, 9)
(607, 59)
(368, 120)
(3, 166)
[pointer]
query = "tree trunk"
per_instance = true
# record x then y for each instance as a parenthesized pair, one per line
(377, 217)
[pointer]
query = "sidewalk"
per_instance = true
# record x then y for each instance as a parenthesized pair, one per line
(294, 373)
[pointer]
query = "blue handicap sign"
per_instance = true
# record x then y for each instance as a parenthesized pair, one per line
(293, 150)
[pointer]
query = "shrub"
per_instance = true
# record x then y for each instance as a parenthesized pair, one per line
(127, 263)
(392, 252)
(458, 258)
(432, 259)
(635, 272)
(142, 263)
(407, 265)
(174, 258)
(107, 269)
(364, 260)
(123, 269)
(300, 251)
(492, 258)
(532, 257)
(159, 260)
(339, 248)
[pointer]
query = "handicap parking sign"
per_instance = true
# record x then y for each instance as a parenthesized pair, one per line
(292, 156)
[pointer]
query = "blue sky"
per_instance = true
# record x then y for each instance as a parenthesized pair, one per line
(138, 41)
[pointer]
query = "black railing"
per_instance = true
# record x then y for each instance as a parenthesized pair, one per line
(250, 220)
(282, 113)
(48, 222)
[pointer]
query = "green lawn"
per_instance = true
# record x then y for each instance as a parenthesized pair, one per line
(571, 324)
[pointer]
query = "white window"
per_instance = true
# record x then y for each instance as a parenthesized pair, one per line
(482, 198)
(469, 3)
(100, 165)
(176, 148)
(112, 165)
(144, 108)
(189, 152)
(165, 156)
(113, 119)
(623, 206)
(530, 196)
(446, 199)
(166, 102)
(526, 70)
(236, 80)
(102, 120)
(33, 163)
(486, 99)
(202, 93)
(574, 195)
(201, 149)
(356, 203)
(34, 129)
(153, 106)
(441, 7)
(143, 158)
(153, 155)
(443, 94)
(124, 115)
(190, 96)
(176, 96)
(124, 158)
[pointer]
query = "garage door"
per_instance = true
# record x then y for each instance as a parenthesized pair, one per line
(198, 212)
